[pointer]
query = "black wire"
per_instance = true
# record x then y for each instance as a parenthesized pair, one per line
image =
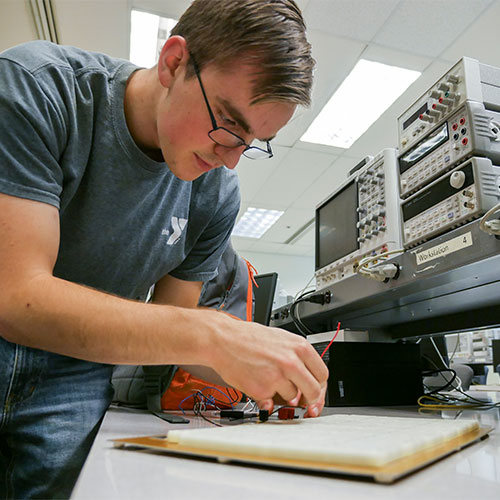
(297, 322)
(478, 404)
(200, 414)
(234, 399)
(478, 400)
(197, 411)
(303, 329)
(278, 409)
(448, 384)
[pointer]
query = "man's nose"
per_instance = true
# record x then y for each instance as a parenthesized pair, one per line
(230, 156)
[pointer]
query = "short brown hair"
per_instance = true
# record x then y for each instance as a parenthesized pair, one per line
(268, 34)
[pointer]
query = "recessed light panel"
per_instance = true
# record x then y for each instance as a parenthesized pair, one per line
(363, 96)
(255, 222)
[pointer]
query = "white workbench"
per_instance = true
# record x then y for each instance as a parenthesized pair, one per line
(111, 473)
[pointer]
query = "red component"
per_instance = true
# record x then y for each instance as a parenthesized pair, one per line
(440, 100)
(454, 126)
(434, 106)
(286, 413)
(462, 121)
(465, 141)
(420, 116)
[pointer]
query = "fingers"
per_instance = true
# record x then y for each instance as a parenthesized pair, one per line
(266, 404)
(315, 364)
(288, 391)
(300, 373)
(315, 409)
(270, 362)
(296, 400)
(309, 373)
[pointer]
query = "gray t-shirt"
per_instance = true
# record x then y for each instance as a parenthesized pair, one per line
(126, 220)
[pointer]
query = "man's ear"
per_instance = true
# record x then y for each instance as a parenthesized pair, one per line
(173, 58)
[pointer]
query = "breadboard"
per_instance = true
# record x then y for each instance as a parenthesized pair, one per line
(384, 448)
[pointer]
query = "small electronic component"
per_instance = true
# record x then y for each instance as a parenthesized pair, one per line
(263, 415)
(232, 414)
(286, 413)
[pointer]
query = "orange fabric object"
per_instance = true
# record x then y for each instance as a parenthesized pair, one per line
(251, 282)
(184, 385)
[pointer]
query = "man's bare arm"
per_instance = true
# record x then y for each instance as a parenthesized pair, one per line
(42, 311)
(176, 292)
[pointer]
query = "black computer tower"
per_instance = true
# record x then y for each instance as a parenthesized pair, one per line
(374, 374)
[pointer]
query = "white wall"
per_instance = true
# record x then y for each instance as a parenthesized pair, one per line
(293, 271)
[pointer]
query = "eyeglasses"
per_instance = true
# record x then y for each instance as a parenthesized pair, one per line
(225, 137)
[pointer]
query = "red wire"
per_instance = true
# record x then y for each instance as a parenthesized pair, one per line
(331, 341)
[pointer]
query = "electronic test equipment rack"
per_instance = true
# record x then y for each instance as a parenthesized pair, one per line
(429, 198)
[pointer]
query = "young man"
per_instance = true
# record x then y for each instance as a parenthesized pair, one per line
(112, 179)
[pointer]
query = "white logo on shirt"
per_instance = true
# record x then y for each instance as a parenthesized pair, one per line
(178, 225)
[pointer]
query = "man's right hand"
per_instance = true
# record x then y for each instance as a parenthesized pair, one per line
(266, 362)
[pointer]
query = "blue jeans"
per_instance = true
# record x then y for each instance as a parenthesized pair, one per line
(52, 407)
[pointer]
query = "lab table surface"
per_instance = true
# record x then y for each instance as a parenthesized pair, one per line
(111, 473)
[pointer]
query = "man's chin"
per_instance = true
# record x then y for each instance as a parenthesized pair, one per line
(185, 174)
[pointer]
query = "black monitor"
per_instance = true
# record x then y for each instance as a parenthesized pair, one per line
(264, 297)
(336, 231)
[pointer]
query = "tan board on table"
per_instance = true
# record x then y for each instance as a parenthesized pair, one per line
(387, 473)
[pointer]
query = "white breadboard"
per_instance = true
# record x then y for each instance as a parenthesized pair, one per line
(384, 448)
(348, 439)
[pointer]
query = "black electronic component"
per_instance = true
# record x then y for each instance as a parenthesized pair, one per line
(263, 415)
(374, 374)
(234, 414)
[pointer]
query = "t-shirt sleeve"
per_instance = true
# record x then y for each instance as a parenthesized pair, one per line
(203, 260)
(31, 137)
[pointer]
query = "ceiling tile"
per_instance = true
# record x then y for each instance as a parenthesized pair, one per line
(480, 41)
(241, 244)
(278, 248)
(358, 19)
(253, 174)
(298, 170)
(325, 184)
(307, 238)
(394, 57)
(287, 225)
(427, 27)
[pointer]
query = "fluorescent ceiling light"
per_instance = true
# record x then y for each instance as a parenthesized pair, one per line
(363, 96)
(148, 33)
(255, 222)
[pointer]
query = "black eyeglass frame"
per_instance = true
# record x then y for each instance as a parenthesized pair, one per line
(215, 127)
